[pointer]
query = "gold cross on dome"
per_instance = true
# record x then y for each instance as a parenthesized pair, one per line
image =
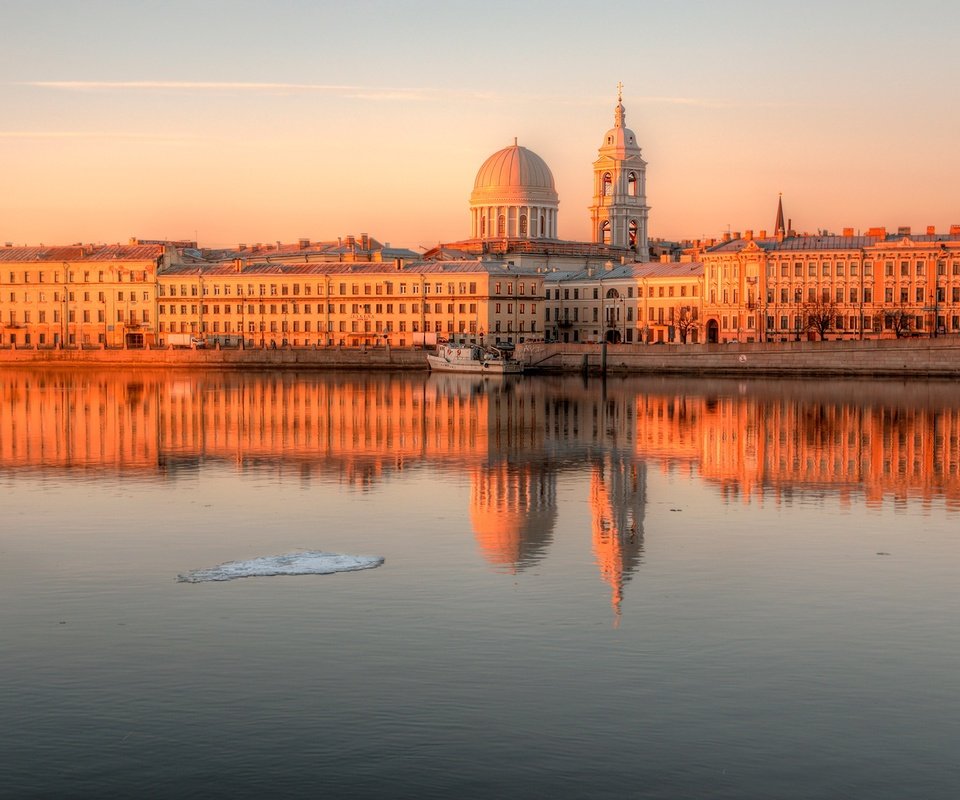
(619, 91)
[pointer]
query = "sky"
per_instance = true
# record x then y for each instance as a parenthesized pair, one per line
(246, 121)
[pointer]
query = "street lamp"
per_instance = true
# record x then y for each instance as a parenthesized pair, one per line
(942, 259)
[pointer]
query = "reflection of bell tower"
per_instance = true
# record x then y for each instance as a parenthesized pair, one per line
(619, 212)
(618, 498)
(513, 512)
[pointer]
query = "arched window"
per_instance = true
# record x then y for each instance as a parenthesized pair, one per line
(633, 232)
(607, 184)
(632, 184)
(523, 226)
(543, 230)
(501, 226)
(604, 232)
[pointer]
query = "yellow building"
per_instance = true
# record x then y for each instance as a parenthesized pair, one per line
(878, 285)
(81, 295)
(349, 304)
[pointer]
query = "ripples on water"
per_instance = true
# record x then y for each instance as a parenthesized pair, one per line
(633, 588)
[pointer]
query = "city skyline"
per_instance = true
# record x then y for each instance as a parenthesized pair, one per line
(230, 123)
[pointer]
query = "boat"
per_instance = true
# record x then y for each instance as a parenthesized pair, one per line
(473, 358)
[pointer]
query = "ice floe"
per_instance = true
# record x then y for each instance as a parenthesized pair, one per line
(306, 562)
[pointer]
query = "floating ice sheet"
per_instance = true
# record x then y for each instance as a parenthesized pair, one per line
(307, 562)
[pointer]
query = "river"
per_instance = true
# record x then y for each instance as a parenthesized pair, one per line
(635, 587)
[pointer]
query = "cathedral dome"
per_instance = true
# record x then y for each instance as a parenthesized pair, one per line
(513, 171)
(514, 196)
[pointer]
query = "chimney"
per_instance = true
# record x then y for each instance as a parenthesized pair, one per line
(848, 231)
(364, 241)
(242, 246)
(665, 258)
(726, 236)
(303, 244)
(736, 234)
(238, 264)
(351, 241)
(931, 230)
(398, 263)
(878, 232)
(763, 235)
(903, 230)
(955, 230)
(748, 235)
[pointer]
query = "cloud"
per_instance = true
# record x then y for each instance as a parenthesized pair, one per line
(360, 92)
(388, 93)
(115, 135)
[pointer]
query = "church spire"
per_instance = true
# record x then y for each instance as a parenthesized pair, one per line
(779, 228)
(619, 114)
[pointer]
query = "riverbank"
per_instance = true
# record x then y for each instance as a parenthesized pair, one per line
(875, 358)
(870, 358)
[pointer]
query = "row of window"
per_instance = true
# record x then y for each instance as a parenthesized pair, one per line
(41, 277)
(341, 326)
(71, 297)
(308, 289)
(332, 308)
(85, 315)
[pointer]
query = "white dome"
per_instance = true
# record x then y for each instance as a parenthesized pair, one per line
(514, 196)
(515, 174)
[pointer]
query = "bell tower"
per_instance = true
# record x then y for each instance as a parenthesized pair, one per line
(619, 212)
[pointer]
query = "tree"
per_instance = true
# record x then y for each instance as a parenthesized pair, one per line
(685, 320)
(900, 321)
(820, 316)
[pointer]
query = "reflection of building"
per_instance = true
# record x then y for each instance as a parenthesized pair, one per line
(618, 497)
(513, 511)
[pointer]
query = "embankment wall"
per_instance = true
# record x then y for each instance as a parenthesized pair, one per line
(893, 358)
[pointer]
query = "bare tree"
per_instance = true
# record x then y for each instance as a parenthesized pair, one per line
(821, 315)
(685, 320)
(900, 321)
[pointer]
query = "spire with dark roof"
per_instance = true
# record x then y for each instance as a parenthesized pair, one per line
(779, 226)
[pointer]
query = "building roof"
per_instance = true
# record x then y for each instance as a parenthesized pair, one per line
(81, 252)
(360, 268)
(832, 242)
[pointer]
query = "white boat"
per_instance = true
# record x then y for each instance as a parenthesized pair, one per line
(473, 358)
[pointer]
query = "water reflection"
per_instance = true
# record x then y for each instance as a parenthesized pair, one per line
(758, 441)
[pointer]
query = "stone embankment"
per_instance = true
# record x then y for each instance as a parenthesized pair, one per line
(884, 357)
(891, 358)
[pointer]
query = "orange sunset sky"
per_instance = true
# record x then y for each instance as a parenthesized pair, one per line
(251, 121)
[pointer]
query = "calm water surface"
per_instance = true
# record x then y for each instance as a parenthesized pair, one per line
(638, 588)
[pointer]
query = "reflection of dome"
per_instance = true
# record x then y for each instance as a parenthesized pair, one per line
(513, 515)
(514, 196)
